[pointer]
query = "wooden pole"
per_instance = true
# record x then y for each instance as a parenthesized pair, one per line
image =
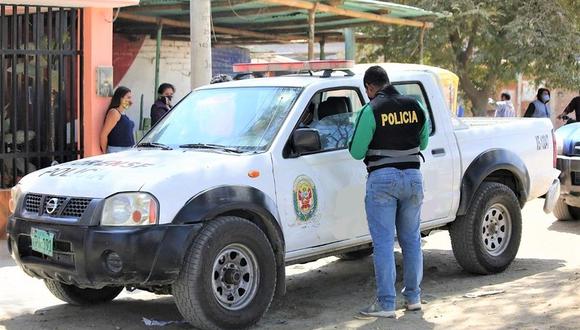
(322, 43)
(311, 27)
(157, 58)
(349, 44)
(421, 48)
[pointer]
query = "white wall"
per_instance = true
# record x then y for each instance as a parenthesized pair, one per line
(174, 68)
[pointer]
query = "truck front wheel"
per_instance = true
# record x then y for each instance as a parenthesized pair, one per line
(563, 211)
(487, 238)
(228, 277)
(77, 296)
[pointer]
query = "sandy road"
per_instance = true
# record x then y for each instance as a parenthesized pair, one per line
(539, 291)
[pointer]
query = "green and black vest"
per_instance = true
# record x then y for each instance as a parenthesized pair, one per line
(399, 120)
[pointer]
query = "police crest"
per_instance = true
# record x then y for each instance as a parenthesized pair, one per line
(305, 198)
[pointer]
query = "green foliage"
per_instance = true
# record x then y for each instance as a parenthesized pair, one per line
(488, 42)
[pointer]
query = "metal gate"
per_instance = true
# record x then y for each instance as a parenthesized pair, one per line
(41, 115)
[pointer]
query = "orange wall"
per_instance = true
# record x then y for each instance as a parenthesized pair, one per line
(98, 51)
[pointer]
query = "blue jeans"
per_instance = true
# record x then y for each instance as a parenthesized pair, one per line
(393, 200)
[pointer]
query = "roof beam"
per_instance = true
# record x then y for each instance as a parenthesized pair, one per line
(350, 13)
(150, 8)
(185, 25)
(257, 12)
(301, 22)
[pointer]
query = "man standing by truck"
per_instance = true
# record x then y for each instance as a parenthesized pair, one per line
(389, 133)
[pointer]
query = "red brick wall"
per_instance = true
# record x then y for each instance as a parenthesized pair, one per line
(4, 212)
(125, 49)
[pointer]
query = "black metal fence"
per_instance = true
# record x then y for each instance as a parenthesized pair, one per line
(41, 63)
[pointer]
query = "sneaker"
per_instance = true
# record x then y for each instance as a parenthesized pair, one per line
(376, 310)
(413, 307)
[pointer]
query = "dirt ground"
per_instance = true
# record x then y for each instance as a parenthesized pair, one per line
(538, 291)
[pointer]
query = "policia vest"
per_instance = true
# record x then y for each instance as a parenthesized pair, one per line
(390, 131)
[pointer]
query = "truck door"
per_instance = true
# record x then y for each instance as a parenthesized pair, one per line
(321, 195)
(438, 166)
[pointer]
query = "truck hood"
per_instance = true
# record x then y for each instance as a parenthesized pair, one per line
(567, 136)
(102, 176)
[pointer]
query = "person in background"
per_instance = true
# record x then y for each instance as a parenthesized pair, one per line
(394, 189)
(504, 108)
(117, 133)
(573, 106)
(540, 108)
(163, 103)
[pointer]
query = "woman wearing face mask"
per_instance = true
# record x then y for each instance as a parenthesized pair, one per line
(540, 108)
(117, 133)
(163, 104)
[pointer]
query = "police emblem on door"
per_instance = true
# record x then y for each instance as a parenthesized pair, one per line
(305, 198)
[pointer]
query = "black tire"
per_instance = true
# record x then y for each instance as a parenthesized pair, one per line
(205, 272)
(487, 238)
(76, 296)
(355, 255)
(563, 211)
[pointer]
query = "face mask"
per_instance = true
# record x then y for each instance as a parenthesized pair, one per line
(545, 98)
(125, 104)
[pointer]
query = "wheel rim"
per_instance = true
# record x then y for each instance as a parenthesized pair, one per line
(235, 276)
(496, 229)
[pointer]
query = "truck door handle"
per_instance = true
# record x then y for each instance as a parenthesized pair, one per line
(438, 152)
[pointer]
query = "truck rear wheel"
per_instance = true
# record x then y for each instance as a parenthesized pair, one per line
(76, 296)
(563, 211)
(487, 238)
(228, 277)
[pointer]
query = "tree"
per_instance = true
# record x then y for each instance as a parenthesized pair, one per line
(488, 42)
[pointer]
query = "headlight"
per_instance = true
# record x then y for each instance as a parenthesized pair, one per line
(15, 194)
(130, 209)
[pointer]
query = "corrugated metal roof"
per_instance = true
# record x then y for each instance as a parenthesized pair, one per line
(265, 17)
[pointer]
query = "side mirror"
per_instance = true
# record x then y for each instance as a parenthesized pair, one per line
(306, 140)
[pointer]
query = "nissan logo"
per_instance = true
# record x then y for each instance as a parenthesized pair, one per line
(51, 205)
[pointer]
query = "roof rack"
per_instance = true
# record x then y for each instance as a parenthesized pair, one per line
(327, 66)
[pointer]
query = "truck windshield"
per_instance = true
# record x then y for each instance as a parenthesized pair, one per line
(241, 118)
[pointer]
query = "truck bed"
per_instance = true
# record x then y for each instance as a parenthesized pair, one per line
(529, 138)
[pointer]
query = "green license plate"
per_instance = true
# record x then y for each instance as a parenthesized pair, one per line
(42, 241)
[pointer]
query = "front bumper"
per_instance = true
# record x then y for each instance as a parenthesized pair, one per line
(569, 179)
(150, 255)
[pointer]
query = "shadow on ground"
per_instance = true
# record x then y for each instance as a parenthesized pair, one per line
(569, 226)
(327, 297)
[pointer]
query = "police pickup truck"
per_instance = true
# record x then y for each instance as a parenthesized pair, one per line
(243, 178)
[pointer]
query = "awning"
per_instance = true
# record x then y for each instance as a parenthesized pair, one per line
(254, 21)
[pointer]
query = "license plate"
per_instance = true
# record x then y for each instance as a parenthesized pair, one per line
(42, 241)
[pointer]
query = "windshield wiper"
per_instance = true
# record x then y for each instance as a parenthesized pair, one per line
(154, 145)
(210, 146)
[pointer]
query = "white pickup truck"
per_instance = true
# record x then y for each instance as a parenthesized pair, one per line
(238, 181)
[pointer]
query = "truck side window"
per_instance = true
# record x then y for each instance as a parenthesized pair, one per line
(415, 90)
(333, 114)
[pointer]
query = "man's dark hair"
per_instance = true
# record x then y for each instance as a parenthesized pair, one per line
(163, 87)
(376, 75)
(507, 96)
